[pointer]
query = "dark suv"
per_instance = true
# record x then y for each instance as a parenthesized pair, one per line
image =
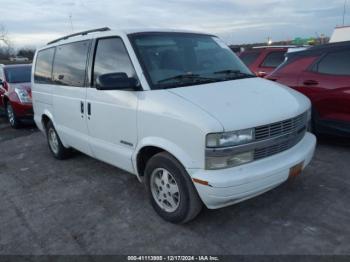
(323, 74)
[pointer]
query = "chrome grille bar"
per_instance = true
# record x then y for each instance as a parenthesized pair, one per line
(280, 128)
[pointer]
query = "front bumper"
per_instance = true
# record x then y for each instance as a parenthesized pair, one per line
(233, 185)
(23, 110)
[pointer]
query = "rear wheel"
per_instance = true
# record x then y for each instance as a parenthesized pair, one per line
(55, 145)
(11, 116)
(170, 189)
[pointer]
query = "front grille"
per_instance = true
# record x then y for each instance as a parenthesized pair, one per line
(293, 130)
(281, 128)
(278, 148)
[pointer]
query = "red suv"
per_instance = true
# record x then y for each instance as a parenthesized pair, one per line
(15, 93)
(323, 74)
(263, 60)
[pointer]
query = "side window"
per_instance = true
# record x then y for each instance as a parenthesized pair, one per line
(69, 67)
(274, 59)
(43, 66)
(336, 63)
(249, 58)
(112, 57)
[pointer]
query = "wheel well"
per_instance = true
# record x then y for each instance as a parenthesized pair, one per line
(5, 99)
(144, 155)
(45, 120)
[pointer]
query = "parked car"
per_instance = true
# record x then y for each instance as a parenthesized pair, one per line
(19, 59)
(177, 109)
(263, 60)
(323, 74)
(15, 93)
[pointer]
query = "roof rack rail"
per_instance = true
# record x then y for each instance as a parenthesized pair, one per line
(103, 29)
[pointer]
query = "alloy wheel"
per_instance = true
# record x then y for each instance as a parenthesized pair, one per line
(11, 115)
(165, 190)
(53, 140)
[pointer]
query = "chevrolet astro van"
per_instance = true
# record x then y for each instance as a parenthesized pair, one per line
(178, 109)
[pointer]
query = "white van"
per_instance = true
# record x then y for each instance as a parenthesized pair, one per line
(177, 109)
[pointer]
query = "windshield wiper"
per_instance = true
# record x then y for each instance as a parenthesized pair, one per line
(184, 77)
(237, 73)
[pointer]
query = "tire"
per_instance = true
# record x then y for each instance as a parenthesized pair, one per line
(55, 145)
(170, 189)
(11, 116)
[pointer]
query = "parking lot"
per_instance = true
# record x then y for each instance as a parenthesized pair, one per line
(83, 206)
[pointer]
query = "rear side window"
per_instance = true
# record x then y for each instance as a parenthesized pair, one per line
(43, 67)
(69, 67)
(274, 59)
(250, 57)
(20, 74)
(337, 63)
(112, 57)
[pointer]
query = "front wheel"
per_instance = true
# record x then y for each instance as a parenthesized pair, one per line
(11, 116)
(170, 189)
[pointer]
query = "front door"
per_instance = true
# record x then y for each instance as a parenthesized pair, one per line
(327, 84)
(112, 115)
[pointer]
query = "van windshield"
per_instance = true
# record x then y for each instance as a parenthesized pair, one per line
(18, 74)
(173, 60)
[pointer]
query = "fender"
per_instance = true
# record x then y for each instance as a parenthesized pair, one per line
(167, 146)
(50, 116)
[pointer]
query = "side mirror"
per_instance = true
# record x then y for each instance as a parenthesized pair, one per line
(115, 81)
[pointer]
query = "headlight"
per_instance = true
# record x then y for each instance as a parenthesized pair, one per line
(23, 95)
(230, 138)
(220, 162)
(220, 142)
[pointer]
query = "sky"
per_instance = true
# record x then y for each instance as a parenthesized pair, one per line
(32, 23)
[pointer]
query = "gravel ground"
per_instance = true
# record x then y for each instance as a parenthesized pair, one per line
(83, 206)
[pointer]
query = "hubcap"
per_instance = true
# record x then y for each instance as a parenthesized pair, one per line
(53, 140)
(10, 114)
(165, 190)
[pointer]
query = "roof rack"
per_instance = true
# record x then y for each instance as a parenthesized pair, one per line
(103, 29)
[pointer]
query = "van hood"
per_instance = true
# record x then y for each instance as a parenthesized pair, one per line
(245, 103)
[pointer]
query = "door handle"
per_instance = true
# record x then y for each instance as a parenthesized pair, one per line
(89, 109)
(310, 83)
(82, 107)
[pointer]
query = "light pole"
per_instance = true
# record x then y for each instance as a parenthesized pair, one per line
(344, 12)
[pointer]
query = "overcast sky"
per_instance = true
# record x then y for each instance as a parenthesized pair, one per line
(35, 22)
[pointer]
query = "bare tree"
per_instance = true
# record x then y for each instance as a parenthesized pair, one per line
(6, 47)
(4, 35)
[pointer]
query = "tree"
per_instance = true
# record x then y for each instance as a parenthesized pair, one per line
(29, 53)
(4, 35)
(5, 44)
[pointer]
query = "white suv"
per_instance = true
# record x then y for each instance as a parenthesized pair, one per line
(177, 109)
